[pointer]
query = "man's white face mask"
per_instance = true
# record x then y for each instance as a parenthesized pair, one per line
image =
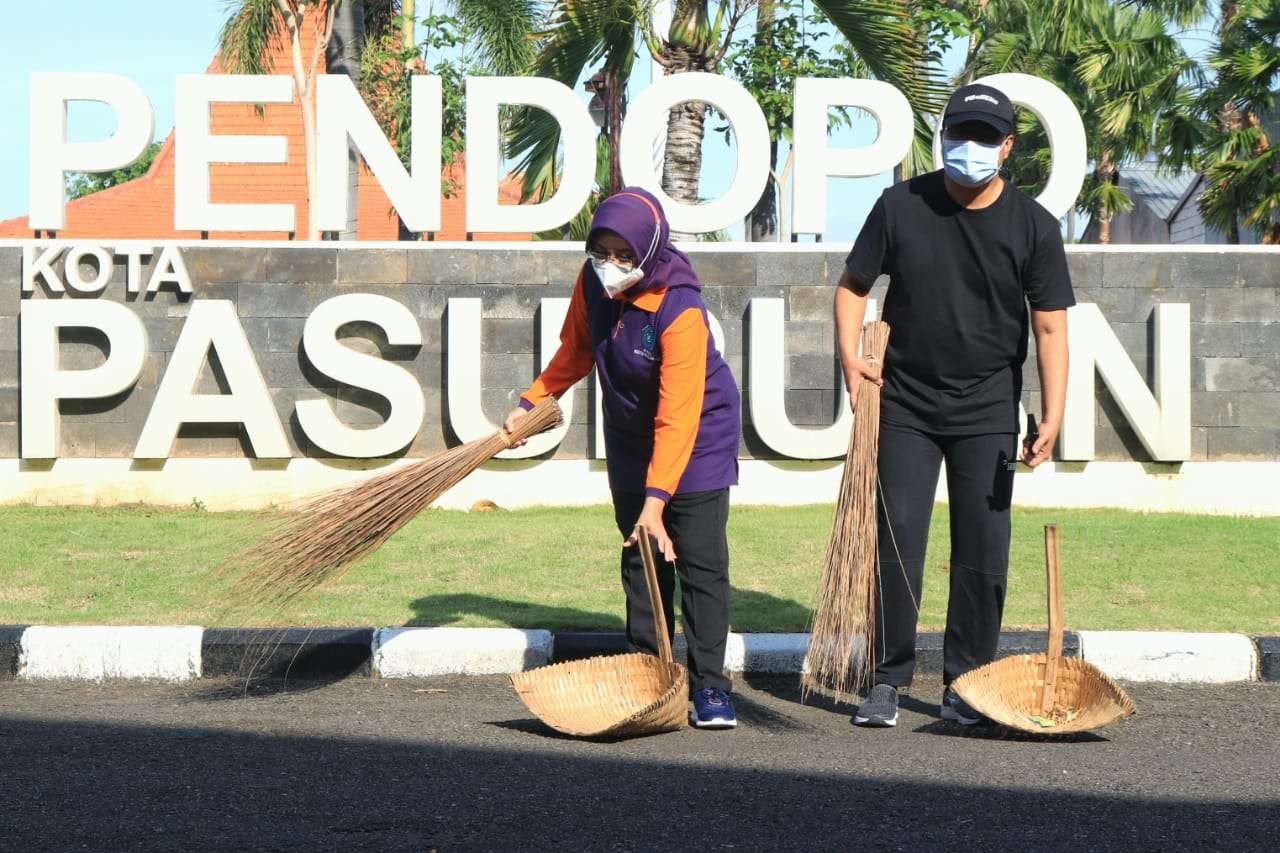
(970, 163)
(614, 277)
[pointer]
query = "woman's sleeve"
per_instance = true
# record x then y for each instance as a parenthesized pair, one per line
(681, 385)
(572, 361)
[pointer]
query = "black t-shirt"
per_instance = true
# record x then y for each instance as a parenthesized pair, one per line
(959, 284)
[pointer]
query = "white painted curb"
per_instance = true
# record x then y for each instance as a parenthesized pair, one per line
(423, 652)
(1168, 656)
(770, 654)
(766, 653)
(93, 653)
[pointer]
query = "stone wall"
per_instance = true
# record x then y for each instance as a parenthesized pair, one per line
(1235, 311)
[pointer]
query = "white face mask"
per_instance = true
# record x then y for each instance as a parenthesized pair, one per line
(614, 278)
(969, 163)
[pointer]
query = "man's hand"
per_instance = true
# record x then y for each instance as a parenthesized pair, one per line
(857, 370)
(509, 424)
(1038, 450)
(651, 518)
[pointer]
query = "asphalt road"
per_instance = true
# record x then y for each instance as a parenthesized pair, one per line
(458, 764)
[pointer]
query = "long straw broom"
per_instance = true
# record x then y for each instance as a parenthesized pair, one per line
(320, 537)
(839, 659)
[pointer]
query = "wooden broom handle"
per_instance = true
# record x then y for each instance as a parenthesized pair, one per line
(1052, 559)
(655, 593)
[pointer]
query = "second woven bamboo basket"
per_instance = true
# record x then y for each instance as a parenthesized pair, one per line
(1046, 694)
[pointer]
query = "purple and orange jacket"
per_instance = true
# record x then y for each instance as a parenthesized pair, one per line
(671, 408)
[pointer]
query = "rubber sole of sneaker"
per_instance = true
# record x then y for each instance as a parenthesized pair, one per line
(712, 724)
(875, 722)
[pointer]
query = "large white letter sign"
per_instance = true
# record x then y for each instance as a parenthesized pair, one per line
(462, 381)
(1061, 122)
(342, 363)
(342, 113)
(578, 133)
(1163, 420)
(815, 162)
(197, 147)
(767, 359)
(44, 383)
(52, 156)
(212, 324)
(647, 117)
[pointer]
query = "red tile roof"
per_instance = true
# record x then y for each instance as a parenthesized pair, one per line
(143, 208)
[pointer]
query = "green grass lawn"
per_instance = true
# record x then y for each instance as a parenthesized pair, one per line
(557, 568)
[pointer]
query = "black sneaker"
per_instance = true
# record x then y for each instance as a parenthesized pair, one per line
(880, 709)
(959, 711)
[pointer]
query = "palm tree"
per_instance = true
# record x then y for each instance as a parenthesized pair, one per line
(245, 44)
(1242, 163)
(1126, 74)
(763, 219)
(583, 33)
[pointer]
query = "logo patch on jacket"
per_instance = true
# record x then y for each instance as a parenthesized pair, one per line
(649, 340)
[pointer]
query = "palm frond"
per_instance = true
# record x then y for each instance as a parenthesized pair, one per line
(506, 32)
(245, 41)
(581, 32)
(882, 33)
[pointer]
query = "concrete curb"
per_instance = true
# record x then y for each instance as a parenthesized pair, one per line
(303, 653)
(1268, 658)
(1171, 657)
(423, 652)
(10, 650)
(97, 653)
(181, 653)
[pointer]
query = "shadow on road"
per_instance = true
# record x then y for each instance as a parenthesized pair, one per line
(117, 786)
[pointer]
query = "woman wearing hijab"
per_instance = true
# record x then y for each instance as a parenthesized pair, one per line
(671, 425)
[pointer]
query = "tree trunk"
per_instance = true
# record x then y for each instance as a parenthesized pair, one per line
(408, 38)
(408, 30)
(1229, 118)
(763, 219)
(303, 80)
(971, 55)
(1106, 174)
(615, 110)
(342, 56)
(302, 91)
(686, 125)
(764, 216)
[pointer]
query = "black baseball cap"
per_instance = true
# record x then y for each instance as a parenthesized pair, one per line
(977, 102)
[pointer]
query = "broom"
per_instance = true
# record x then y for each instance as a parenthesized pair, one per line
(320, 537)
(840, 639)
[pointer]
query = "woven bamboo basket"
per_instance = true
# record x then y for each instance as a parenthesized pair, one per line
(1046, 694)
(614, 696)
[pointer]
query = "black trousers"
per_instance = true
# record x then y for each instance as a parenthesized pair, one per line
(696, 524)
(980, 487)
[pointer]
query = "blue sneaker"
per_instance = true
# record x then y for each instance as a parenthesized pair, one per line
(712, 709)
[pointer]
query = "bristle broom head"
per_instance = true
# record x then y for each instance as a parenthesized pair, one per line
(320, 537)
(842, 634)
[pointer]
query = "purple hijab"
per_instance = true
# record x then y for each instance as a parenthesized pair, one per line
(637, 216)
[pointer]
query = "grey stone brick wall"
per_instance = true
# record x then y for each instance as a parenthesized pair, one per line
(1234, 298)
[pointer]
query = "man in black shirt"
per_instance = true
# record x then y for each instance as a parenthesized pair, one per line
(966, 253)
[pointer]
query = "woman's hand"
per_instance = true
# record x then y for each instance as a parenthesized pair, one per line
(858, 370)
(509, 425)
(651, 518)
